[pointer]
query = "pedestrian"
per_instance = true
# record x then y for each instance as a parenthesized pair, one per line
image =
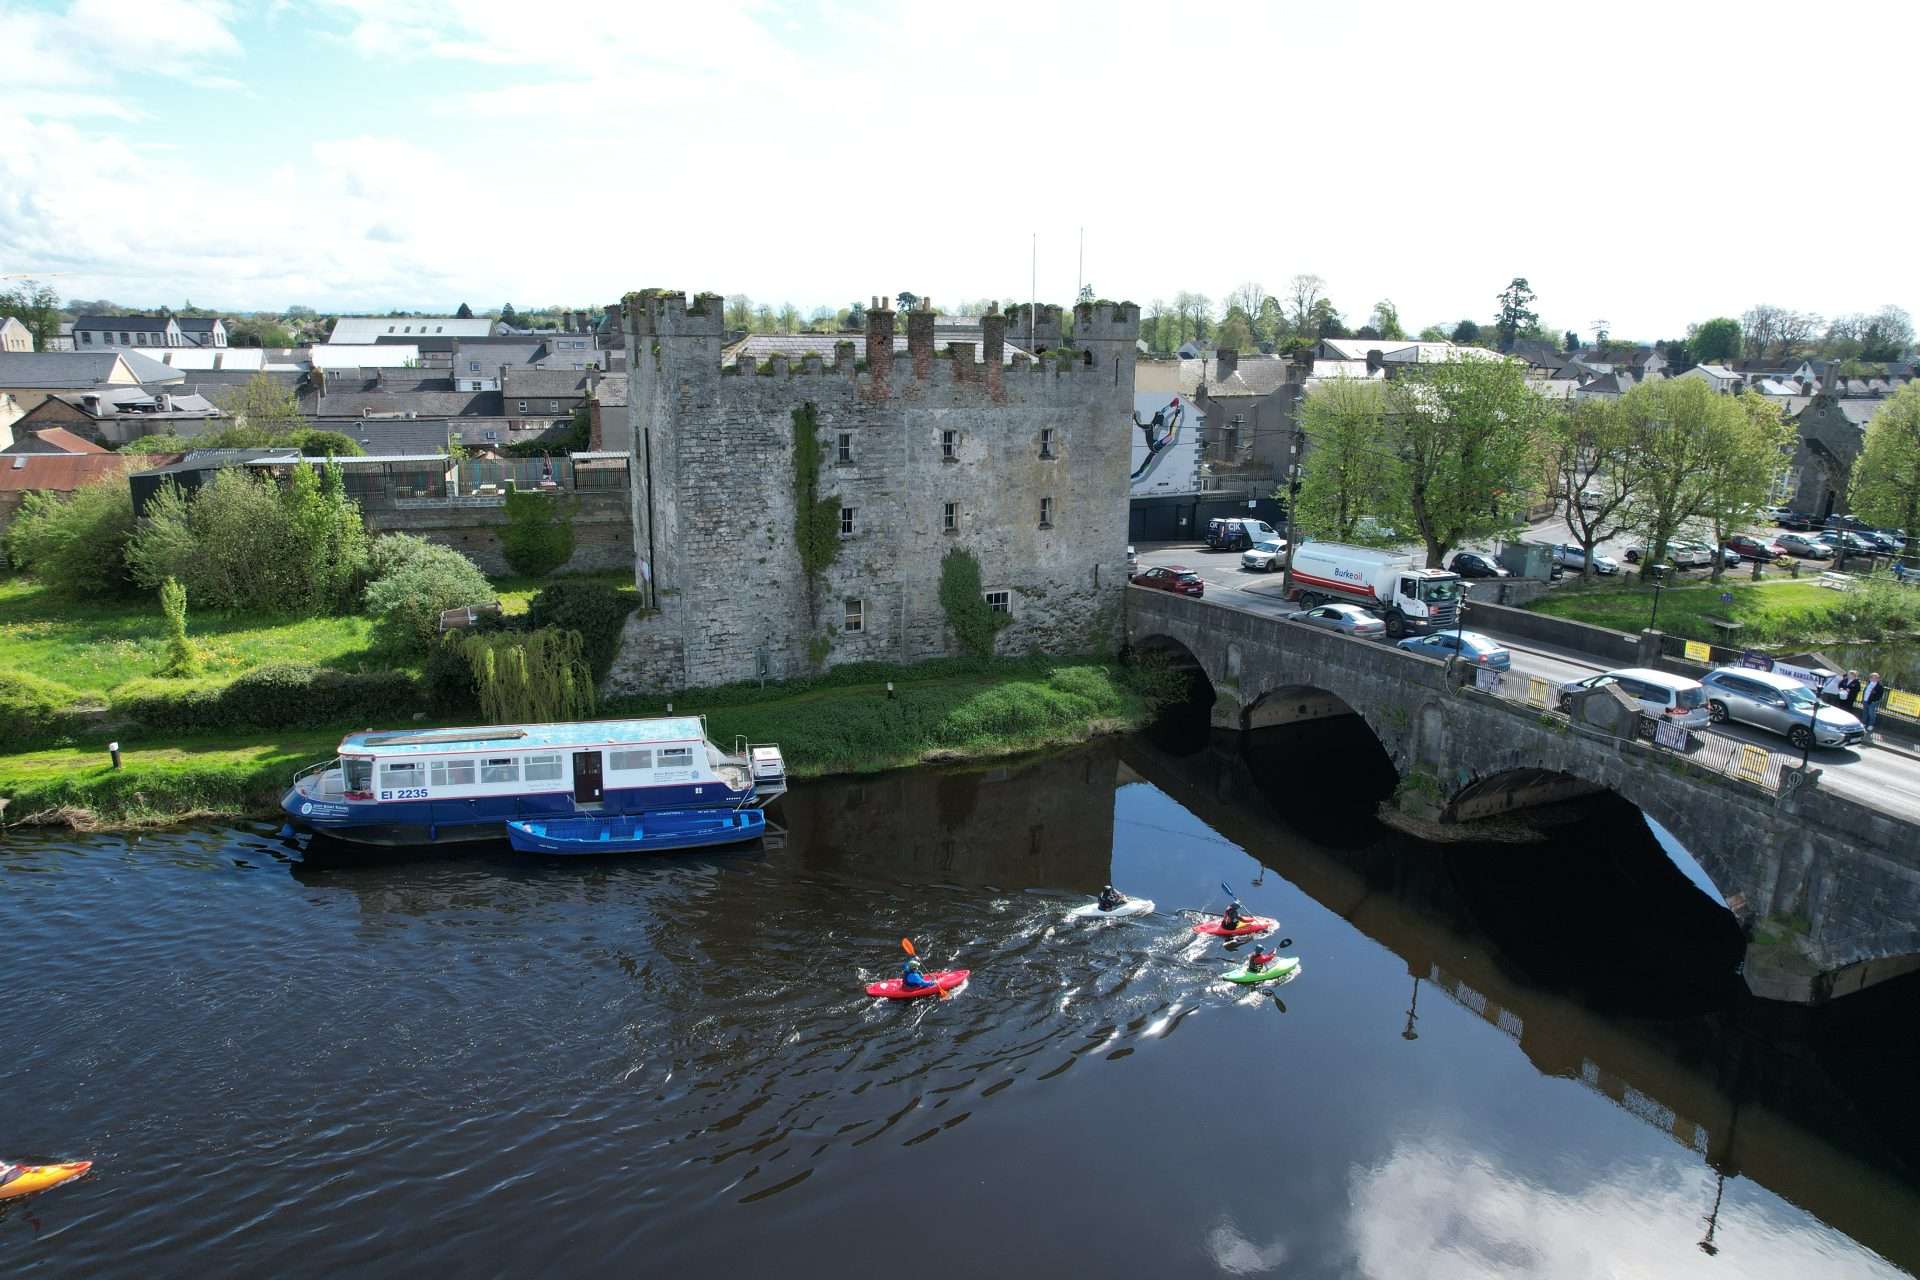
(1871, 697)
(1830, 692)
(1849, 691)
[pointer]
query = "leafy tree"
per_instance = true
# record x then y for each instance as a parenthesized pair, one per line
(1885, 487)
(75, 546)
(509, 316)
(533, 677)
(329, 444)
(763, 319)
(1386, 320)
(594, 609)
(1434, 333)
(789, 318)
(1516, 312)
(255, 331)
(181, 658)
(1304, 292)
(1469, 441)
(1247, 297)
(1350, 469)
(414, 583)
(538, 537)
(906, 301)
(36, 306)
(1236, 331)
(1774, 333)
(1745, 455)
(1701, 457)
(1270, 322)
(1572, 342)
(1715, 341)
(1595, 472)
(264, 406)
(1886, 335)
(1466, 332)
(739, 312)
(464, 313)
(164, 443)
(1325, 322)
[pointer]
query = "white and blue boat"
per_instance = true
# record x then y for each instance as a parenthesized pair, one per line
(433, 786)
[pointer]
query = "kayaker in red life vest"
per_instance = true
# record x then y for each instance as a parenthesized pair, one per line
(1260, 959)
(1234, 918)
(1110, 898)
(910, 976)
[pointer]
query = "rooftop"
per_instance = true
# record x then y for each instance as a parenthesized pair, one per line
(481, 740)
(366, 330)
(65, 472)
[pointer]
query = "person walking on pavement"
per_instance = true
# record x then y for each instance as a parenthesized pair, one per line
(1872, 696)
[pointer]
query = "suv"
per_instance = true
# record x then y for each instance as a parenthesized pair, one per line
(1230, 534)
(1265, 557)
(1674, 699)
(1471, 564)
(1779, 703)
(1569, 556)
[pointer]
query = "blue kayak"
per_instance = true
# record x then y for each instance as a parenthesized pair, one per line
(664, 829)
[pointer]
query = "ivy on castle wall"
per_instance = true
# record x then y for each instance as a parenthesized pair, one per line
(974, 622)
(816, 520)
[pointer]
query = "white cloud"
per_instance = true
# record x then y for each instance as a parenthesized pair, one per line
(95, 44)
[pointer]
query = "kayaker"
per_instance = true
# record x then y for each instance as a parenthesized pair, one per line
(910, 976)
(1234, 918)
(1259, 960)
(8, 1172)
(1110, 898)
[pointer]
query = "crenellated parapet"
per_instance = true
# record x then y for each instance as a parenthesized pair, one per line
(1106, 320)
(666, 313)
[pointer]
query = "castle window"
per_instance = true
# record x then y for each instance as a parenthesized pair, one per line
(949, 516)
(1046, 442)
(846, 446)
(1000, 601)
(1046, 512)
(949, 446)
(855, 617)
(846, 522)
(523, 406)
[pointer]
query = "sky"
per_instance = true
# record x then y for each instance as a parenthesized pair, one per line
(1649, 166)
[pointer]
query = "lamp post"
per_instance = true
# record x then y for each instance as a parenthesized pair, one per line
(1658, 572)
(1290, 474)
(1460, 617)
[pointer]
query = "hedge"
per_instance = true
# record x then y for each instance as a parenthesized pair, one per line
(280, 695)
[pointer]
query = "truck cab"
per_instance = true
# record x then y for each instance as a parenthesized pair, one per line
(1411, 598)
(1424, 600)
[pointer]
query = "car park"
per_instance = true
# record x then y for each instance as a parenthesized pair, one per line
(1472, 564)
(1471, 646)
(1799, 544)
(1569, 556)
(1171, 577)
(1348, 619)
(1779, 704)
(1673, 699)
(1265, 557)
(1231, 533)
(1765, 550)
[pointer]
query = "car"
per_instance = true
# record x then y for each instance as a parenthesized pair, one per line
(1765, 550)
(1572, 557)
(1777, 514)
(1591, 499)
(1853, 524)
(1480, 650)
(1799, 544)
(1883, 542)
(1171, 577)
(1796, 520)
(1265, 557)
(1472, 564)
(1852, 543)
(1348, 619)
(1368, 529)
(1675, 699)
(1133, 560)
(1228, 533)
(1780, 704)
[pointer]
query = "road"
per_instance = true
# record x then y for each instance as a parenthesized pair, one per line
(1884, 777)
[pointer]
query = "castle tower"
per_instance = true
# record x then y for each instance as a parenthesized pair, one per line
(1104, 333)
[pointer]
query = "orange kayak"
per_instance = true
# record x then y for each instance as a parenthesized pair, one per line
(38, 1177)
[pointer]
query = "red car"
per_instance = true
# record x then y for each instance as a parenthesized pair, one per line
(1171, 578)
(1764, 550)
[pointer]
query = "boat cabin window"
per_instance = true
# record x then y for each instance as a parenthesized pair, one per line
(628, 761)
(502, 769)
(452, 773)
(543, 768)
(400, 773)
(359, 774)
(676, 757)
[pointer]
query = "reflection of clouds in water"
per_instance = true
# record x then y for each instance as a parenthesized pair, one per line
(1236, 1255)
(1430, 1212)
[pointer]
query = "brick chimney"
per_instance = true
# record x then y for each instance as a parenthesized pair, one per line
(880, 341)
(993, 345)
(1225, 361)
(920, 338)
(1376, 361)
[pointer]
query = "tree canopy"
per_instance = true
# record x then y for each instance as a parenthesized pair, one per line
(1885, 488)
(1715, 341)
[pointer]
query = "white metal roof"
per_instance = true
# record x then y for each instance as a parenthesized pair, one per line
(366, 330)
(386, 355)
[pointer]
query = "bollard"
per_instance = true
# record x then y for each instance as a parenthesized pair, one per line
(669, 708)
(889, 688)
(113, 750)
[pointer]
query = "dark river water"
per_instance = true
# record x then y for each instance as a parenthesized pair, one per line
(1526, 1059)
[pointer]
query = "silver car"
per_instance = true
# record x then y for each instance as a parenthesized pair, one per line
(1674, 699)
(1265, 557)
(1348, 619)
(1799, 544)
(1779, 704)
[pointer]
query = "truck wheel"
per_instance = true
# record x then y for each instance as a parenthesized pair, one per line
(1308, 600)
(1395, 627)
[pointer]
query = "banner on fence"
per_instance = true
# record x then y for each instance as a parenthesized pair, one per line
(1698, 652)
(1486, 679)
(1751, 763)
(1902, 703)
(1539, 692)
(1668, 734)
(1812, 677)
(1756, 661)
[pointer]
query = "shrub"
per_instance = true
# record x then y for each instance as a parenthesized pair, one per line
(76, 545)
(325, 444)
(181, 659)
(406, 602)
(594, 609)
(530, 678)
(280, 695)
(539, 535)
(31, 707)
(448, 677)
(389, 551)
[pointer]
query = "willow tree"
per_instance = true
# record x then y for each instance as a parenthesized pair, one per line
(1885, 489)
(1349, 469)
(530, 677)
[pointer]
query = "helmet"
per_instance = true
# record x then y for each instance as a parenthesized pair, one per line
(1109, 888)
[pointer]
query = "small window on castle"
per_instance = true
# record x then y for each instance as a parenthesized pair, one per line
(1046, 442)
(855, 616)
(1000, 601)
(523, 406)
(949, 446)
(846, 446)
(1046, 512)
(846, 521)
(949, 516)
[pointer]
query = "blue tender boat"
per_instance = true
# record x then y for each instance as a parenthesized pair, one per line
(430, 786)
(638, 833)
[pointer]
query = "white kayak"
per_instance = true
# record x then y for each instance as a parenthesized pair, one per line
(1131, 907)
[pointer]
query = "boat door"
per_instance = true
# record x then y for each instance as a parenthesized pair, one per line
(587, 782)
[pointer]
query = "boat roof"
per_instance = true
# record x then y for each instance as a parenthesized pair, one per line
(520, 737)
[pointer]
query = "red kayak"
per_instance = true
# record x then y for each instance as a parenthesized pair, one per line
(1254, 924)
(896, 988)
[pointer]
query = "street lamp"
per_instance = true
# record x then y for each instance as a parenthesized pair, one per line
(1290, 473)
(1460, 617)
(1658, 574)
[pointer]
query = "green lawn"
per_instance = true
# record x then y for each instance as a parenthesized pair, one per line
(1769, 611)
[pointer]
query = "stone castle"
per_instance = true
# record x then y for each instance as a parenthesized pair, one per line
(925, 446)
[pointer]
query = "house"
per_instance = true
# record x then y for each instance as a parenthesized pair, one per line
(1249, 404)
(1605, 386)
(367, 330)
(116, 415)
(14, 336)
(544, 395)
(63, 473)
(608, 427)
(96, 332)
(1718, 376)
(1399, 351)
(206, 332)
(32, 376)
(49, 440)
(1192, 350)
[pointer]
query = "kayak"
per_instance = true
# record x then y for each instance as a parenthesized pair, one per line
(896, 989)
(1131, 907)
(1282, 967)
(38, 1177)
(1254, 924)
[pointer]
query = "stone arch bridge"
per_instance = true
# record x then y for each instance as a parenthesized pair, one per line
(1832, 886)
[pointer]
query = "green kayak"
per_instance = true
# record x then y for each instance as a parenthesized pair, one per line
(1282, 967)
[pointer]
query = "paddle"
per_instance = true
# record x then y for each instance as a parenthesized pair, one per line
(907, 943)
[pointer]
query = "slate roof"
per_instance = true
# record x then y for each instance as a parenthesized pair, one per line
(552, 383)
(196, 324)
(612, 392)
(65, 369)
(116, 400)
(422, 404)
(128, 324)
(1254, 376)
(390, 436)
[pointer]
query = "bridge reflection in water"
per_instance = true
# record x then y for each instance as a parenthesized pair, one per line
(1813, 1104)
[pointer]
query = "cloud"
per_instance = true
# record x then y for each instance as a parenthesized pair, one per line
(56, 60)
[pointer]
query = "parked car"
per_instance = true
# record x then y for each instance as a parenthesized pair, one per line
(1480, 650)
(1675, 699)
(1572, 557)
(1348, 619)
(1854, 544)
(1852, 523)
(1171, 577)
(1765, 550)
(1472, 564)
(1133, 560)
(1780, 704)
(1230, 533)
(1590, 499)
(1776, 514)
(1796, 520)
(1682, 553)
(1799, 544)
(1883, 542)
(1265, 557)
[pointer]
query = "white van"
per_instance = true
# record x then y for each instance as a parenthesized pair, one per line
(1675, 699)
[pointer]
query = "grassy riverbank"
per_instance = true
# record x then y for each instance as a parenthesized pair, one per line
(1779, 613)
(843, 723)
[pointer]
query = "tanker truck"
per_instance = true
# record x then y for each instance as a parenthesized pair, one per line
(1411, 598)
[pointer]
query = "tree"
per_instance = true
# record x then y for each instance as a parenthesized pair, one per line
(255, 331)
(181, 658)
(1466, 332)
(464, 313)
(36, 306)
(1349, 469)
(263, 407)
(906, 301)
(1248, 297)
(1594, 472)
(1702, 457)
(1679, 355)
(538, 537)
(1236, 331)
(1270, 322)
(1433, 333)
(1516, 312)
(1468, 434)
(739, 312)
(763, 319)
(1746, 452)
(1886, 335)
(1324, 322)
(1885, 487)
(1386, 320)
(1774, 333)
(1572, 342)
(1715, 341)
(75, 545)
(1303, 291)
(509, 316)
(788, 318)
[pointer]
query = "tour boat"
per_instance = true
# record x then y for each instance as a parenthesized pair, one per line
(432, 786)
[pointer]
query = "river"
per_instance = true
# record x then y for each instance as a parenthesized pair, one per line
(1525, 1059)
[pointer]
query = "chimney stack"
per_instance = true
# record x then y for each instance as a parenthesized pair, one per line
(1225, 361)
(1376, 361)
(993, 344)
(920, 338)
(880, 341)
